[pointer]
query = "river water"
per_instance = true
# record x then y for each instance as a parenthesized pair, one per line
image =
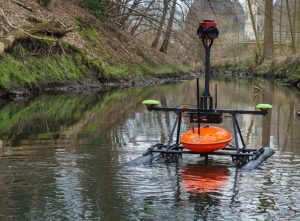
(63, 157)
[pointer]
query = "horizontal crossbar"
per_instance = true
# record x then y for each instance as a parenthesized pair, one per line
(194, 110)
(219, 153)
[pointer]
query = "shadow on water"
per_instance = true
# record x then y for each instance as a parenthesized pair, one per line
(63, 157)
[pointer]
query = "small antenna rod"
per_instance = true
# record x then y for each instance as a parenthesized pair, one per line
(198, 106)
(216, 96)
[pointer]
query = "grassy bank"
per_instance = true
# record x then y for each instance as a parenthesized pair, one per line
(34, 63)
(287, 70)
(68, 69)
(37, 71)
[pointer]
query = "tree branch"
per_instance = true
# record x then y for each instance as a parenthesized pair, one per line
(22, 5)
(18, 33)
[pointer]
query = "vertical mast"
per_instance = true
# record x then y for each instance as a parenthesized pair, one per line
(207, 32)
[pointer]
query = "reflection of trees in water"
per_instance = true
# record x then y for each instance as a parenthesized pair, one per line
(48, 116)
(43, 117)
(95, 122)
(65, 189)
(207, 207)
(77, 119)
(280, 124)
(18, 196)
(284, 125)
(266, 203)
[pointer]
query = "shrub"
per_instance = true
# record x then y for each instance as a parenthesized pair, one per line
(97, 7)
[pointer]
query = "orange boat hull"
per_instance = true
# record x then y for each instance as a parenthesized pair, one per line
(211, 139)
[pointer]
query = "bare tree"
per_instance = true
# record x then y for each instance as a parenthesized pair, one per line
(298, 22)
(139, 20)
(291, 26)
(280, 22)
(165, 43)
(253, 25)
(268, 34)
(161, 23)
(295, 24)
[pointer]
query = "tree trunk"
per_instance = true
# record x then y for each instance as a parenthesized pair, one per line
(165, 44)
(124, 19)
(298, 23)
(161, 23)
(253, 25)
(280, 23)
(295, 22)
(291, 26)
(268, 34)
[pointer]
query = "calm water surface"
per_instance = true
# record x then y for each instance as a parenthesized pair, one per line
(63, 157)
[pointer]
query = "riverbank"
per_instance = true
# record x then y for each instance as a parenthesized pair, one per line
(31, 76)
(286, 70)
(65, 47)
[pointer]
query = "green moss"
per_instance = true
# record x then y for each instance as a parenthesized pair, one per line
(137, 70)
(116, 71)
(37, 71)
(295, 75)
(91, 34)
(294, 70)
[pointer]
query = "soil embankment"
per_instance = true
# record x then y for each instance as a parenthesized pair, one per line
(64, 47)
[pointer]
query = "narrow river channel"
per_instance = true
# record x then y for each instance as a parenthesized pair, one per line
(63, 157)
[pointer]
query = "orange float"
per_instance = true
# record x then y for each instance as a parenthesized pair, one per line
(211, 139)
(199, 179)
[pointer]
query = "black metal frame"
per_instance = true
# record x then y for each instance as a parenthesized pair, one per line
(207, 32)
(239, 155)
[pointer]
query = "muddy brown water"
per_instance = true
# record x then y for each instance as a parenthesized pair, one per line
(63, 157)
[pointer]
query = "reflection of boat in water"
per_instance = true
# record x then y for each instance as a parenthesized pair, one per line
(204, 178)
